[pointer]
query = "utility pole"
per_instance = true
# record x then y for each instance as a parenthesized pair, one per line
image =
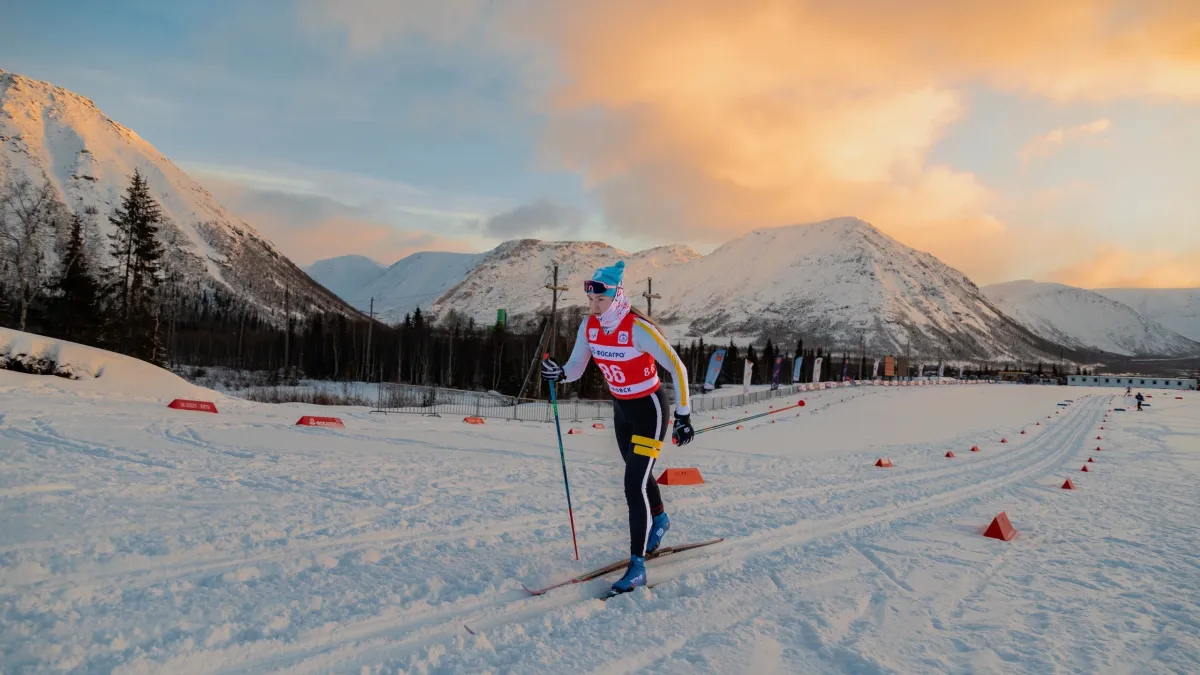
(554, 288)
(650, 295)
(370, 325)
(287, 335)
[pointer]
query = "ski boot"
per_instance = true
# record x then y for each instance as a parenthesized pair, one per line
(659, 528)
(635, 575)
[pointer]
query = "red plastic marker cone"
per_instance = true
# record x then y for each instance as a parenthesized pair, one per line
(1039, 424)
(574, 432)
(884, 462)
(1003, 440)
(597, 425)
(974, 448)
(740, 427)
(1000, 528)
(473, 420)
(950, 454)
(1097, 448)
(1022, 432)
(1068, 485)
(1097, 438)
(689, 476)
(801, 404)
(1085, 469)
(1091, 460)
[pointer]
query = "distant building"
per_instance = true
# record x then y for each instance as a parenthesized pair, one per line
(1135, 381)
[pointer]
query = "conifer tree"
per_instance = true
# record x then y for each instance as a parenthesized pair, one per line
(137, 253)
(75, 311)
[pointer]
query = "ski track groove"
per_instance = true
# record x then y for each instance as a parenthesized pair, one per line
(1050, 450)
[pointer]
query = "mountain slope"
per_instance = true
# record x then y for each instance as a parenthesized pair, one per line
(514, 275)
(1080, 318)
(345, 274)
(1176, 308)
(89, 158)
(835, 282)
(830, 282)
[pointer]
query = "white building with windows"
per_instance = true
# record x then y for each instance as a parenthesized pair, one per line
(1135, 381)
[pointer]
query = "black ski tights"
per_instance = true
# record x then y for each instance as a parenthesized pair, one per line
(641, 426)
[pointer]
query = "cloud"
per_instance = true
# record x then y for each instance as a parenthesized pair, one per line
(1113, 267)
(539, 217)
(308, 227)
(703, 119)
(1051, 142)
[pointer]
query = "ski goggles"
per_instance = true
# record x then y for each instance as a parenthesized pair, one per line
(596, 287)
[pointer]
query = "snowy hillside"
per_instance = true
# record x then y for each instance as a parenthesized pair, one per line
(1080, 318)
(1175, 308)
(514, 275)
(345, 274)
(825, 281)
(89, 158)
(141, 539)
(77, 368)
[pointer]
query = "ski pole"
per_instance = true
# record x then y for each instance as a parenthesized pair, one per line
(747, 419)
(563, 455)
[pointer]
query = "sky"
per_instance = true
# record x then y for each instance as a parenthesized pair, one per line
(1019, 139)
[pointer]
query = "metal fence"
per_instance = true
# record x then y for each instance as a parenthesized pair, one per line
(434, 401)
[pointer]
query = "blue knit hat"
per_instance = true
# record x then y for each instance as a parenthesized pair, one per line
(611, 276)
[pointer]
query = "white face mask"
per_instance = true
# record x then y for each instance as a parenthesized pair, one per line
(616, 312)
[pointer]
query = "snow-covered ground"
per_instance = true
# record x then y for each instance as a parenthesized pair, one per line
(139, 539)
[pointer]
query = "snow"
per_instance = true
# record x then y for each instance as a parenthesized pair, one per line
(1176, 308)
(140, 539)
(1080, 318)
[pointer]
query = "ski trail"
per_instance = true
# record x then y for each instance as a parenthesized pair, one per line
(1046, 451)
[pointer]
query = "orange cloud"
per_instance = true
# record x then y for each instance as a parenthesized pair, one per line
(1052, 141)
(702, 119)
(1112, 267)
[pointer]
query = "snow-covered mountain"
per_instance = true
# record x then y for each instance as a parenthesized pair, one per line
(1175, 308)
(345, 275)
(830, 282)
(514, 275)
(1080, 318)
(89, 158)
(414, 281)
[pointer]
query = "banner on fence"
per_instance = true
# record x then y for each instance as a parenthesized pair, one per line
(817, 369)
(875, 370)
(796, 368)
(941, 369)
(747, 375)
(889, 366)
(714, 370)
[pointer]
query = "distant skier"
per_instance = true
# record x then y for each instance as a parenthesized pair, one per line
(1139, 400)
(1128, 391)
(626, 345)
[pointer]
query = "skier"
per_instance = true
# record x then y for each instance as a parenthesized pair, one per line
(1128, 391)
(1139, 401)
(627, 345)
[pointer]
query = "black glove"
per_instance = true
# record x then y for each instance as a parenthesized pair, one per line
(551, 371)
(683, 433)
